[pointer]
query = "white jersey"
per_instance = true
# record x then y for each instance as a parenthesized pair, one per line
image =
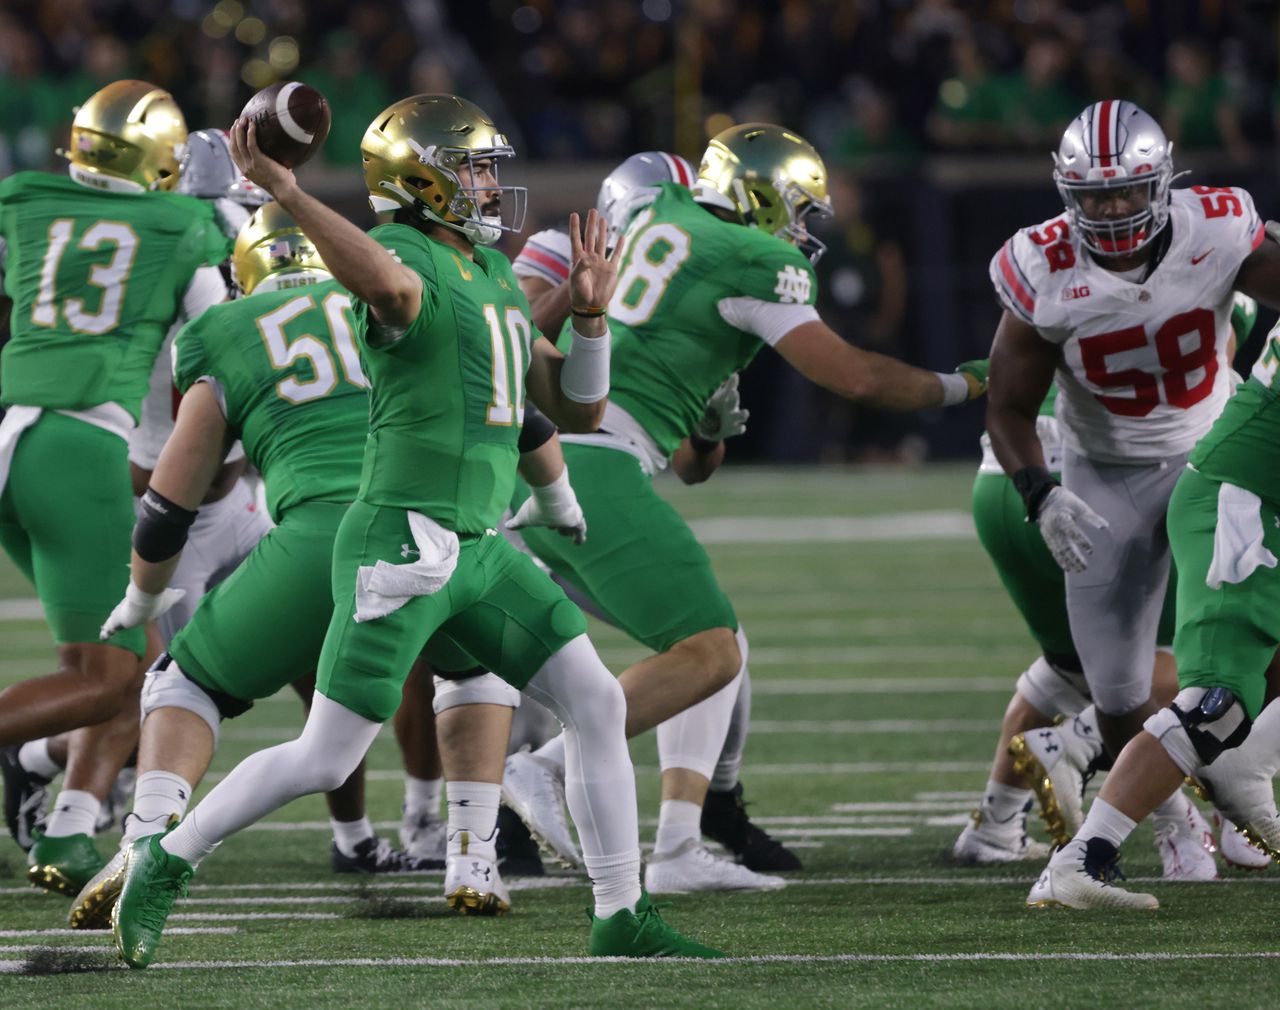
(1050, 432)
(1144, 371)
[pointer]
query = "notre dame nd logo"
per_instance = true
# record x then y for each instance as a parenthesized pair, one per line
(793, 285)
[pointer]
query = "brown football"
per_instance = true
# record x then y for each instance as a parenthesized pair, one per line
(292, 121)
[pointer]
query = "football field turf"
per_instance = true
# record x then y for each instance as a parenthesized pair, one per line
(882, 653)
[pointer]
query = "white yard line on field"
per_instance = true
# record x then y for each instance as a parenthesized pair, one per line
(941, 525)
(180, 931)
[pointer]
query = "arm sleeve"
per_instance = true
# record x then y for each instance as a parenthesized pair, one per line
(545, 256)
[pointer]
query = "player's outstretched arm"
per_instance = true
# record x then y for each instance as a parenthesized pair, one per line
(1259, 274)
(188, 464)
(1022, 366)
(392, 291)
(819, 354)
(572, 389)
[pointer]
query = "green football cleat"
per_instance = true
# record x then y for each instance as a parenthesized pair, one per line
(642, 933)
(62, 865)
(153, 881)
(92, 907)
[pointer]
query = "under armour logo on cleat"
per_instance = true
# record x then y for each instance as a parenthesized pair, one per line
(406, 550)
(480, 871)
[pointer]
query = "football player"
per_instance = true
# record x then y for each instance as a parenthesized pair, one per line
(1224, 526)
(98, 266)
(417, 551)
(542, 267)
(1128, 296)
(709, 277)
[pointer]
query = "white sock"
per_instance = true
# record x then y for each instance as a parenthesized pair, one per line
(693, 739)
(615, 882)
(1106, 822)
(34, 757)
(422, 796)
(553, 751)
(156, 797)
(678, 821)
(75, 813)
(729, 763)
(332, 743)
(1001, 803)
(599, 782)
(348, 834)
(1171, 811)
(473, 807)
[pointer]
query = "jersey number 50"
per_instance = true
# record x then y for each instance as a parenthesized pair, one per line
(284, 353)
(1177, 364)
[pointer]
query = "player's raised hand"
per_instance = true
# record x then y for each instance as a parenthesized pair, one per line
(593, 273)
(256, 165)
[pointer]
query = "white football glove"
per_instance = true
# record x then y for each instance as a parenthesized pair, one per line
(725, 415)
(554, 506)
(137, 608)
(1063, 517)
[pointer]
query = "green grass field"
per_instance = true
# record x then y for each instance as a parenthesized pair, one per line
(882, 651)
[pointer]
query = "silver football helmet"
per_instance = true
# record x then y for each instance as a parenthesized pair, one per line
(209, 173)
(640, 170)
(1114, 153)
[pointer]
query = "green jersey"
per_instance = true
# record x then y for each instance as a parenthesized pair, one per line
(291, 385)
(686, 282)
(447, 398)
(1243, 446)
(96, 279)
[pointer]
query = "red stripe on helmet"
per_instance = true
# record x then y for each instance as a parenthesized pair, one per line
(1105, 125)
(679, 169)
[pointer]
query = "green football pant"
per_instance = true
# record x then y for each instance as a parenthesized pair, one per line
(1226, 636)
(641, 563)
(497, 606)
(66, 521)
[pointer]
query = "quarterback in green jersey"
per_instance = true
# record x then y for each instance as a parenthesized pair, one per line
(98, 266)
(449, 351)
(709, 276)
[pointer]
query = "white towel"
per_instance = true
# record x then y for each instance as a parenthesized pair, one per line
(383, 588)
(1238, 550)
(16, 421)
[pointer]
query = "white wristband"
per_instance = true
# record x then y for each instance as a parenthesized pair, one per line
(584, 378)
(552, 496)
(955, 388)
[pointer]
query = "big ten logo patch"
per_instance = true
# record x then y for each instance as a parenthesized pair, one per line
(793, 285)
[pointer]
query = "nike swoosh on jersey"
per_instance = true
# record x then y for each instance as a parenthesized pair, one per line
(1197, 259)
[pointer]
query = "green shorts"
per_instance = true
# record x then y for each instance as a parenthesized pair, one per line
(66, 520)
(263, 626)
(1031, 577)
(1227, 636)
(497, 606)
(641, 563)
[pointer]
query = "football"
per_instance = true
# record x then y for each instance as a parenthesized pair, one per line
(293, 120)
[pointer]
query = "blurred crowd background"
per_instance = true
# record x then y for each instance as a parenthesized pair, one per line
(936, 118)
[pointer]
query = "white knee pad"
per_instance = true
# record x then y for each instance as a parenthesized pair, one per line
(1052, 691)
(486, 689)
(1198, 725)
(169, 687)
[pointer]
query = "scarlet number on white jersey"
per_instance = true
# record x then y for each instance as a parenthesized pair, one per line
(1177, 363)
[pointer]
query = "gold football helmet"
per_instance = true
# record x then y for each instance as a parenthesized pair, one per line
(770, 178)
(271, 245)
(130, 134)
(412, 155)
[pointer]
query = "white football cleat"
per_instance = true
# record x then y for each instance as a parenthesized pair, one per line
(691, 866)
(1186, 844)
(1068, 883)
(1244, 792)
(472, 883)
(1236, 848)
(984, 842)
(534, 789)
(1041, 757)
(424, 837)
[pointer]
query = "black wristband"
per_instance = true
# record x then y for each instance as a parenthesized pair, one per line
(1034, 483)
(537, 430)
(703, 446)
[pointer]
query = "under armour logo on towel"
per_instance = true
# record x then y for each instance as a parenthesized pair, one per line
(406, 550)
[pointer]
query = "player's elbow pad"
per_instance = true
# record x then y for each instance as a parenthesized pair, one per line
(584, 377)
(162, 528)
(537, 430)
